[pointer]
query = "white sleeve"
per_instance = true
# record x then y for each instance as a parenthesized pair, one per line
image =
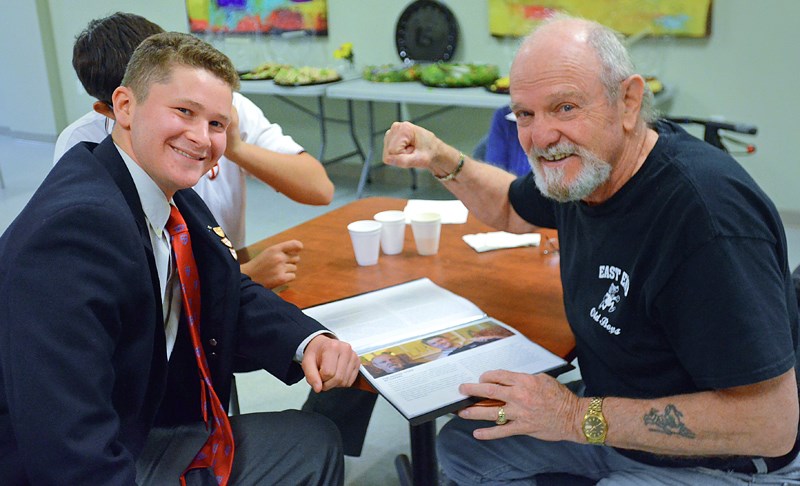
(256, 129)
(91, 127)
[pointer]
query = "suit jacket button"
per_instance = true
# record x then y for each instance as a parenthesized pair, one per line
(212, 342)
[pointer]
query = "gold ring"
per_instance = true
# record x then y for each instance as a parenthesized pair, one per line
(501, 416)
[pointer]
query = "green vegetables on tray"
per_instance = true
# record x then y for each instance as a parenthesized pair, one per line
(267, 70)
(305, 75)
(458, 75)
(391, 73)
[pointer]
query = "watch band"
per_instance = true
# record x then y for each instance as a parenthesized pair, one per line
(595, 427)
(595, 406)
(452, 175)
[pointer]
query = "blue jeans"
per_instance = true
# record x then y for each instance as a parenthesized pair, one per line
(518, 459)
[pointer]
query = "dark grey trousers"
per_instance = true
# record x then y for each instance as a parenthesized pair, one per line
(276, 448)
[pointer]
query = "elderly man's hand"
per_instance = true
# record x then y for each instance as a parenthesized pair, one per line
(329, 363)
(535, 405)
(407, 145)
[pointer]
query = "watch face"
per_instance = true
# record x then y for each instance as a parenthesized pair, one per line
(594, 428)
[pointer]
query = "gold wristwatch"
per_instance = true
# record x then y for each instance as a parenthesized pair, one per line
(595, 427)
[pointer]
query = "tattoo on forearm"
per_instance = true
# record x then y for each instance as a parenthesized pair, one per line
(669, 423)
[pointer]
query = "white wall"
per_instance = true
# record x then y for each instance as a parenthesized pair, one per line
(26, 104)
(745, 71)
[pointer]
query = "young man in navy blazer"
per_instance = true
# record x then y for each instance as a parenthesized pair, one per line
(98, 379)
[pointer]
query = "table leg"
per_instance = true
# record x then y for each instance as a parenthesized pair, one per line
(322, 130)
(404, 115)
(352, 124)
(424, 467)
(362, 181)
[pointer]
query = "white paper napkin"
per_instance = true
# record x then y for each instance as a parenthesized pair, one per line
(500, 239)
(452, 211)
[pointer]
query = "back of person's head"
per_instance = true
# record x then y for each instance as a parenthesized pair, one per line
(101, 52)
(156, 57)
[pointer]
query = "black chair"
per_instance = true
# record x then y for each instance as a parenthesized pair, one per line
(712, 133)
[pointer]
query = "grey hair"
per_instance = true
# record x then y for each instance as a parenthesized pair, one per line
(615, 62)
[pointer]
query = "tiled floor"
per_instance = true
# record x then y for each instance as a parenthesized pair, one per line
(24, 164)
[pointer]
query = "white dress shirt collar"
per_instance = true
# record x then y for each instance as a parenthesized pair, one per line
(154, 202)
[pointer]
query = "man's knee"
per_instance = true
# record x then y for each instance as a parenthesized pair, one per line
(290, 447)
(319, 430)
(310, 434)
(321, 444)
(455, 447)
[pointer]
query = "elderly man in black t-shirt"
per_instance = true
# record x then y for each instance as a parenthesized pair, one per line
(676, 286)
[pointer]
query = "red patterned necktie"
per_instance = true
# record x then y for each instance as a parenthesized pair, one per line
(217, 452)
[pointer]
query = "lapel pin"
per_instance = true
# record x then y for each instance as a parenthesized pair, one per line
(225, 241)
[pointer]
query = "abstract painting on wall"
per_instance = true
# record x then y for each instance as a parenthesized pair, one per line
(684, 18)
(272, 17)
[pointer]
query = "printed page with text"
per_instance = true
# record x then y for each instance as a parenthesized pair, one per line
(418, 342)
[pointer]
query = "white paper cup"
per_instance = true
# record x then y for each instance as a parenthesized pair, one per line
(366, 238)
(427, 228)
(393, 231)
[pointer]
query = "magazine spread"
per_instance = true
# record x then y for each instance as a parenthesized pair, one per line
(418, 342)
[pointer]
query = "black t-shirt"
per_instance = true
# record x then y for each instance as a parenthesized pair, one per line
(679, 282)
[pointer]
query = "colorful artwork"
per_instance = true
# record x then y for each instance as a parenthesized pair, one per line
(262, 16)
(688, 18)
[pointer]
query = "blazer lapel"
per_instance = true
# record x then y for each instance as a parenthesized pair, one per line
(107, 153)
(215, 263)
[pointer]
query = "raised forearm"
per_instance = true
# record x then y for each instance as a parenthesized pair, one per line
(481, 187)
(299, 176)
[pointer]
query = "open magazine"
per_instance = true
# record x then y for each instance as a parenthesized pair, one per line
(418, 342)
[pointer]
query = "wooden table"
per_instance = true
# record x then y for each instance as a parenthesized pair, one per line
(519, 286)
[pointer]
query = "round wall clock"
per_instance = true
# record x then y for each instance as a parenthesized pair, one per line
(426, 31)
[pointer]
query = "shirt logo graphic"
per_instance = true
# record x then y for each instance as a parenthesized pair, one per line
(608, 304)
(610, 299)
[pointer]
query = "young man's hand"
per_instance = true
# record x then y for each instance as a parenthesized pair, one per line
(329, 363)
(276, 265)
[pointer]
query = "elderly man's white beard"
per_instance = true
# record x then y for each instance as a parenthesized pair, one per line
(551, 181)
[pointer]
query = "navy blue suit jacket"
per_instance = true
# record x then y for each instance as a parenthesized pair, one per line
(83, 368)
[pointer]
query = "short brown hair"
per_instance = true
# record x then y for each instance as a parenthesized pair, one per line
(154, 59)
